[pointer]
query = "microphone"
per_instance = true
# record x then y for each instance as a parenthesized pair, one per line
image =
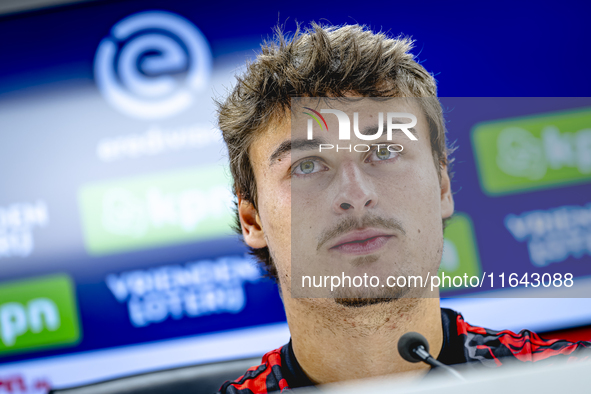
(414, 348)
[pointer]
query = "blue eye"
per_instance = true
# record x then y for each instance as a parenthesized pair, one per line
(383, 153)
(307, 167)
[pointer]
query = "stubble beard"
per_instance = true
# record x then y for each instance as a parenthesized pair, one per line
(357, 299)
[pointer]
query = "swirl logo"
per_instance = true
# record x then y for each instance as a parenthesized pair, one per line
(151, 64)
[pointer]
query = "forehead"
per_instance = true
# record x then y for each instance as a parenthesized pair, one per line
(295, 122)
(345, 117)
(366, 107)
(361, 111)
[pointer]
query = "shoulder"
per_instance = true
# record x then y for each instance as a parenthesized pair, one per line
(264, 378)
(490, 346)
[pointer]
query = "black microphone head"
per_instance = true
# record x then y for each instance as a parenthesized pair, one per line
(410, 341)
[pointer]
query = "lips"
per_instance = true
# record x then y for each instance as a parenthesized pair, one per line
(361, 242)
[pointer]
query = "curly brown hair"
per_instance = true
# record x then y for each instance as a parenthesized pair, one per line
(320, 61)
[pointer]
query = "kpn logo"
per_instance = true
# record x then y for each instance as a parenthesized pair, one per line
(156, 210)
(534, 152)
(38, 313)
(460, 250)
(152, 64)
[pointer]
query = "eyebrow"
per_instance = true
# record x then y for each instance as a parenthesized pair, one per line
(298, 144)
(374, 129)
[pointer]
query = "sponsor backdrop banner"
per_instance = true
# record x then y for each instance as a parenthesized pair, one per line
(116, 203)
(115, 195)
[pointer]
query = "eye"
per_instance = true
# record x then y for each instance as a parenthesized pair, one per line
(307, 167)
(384, 153)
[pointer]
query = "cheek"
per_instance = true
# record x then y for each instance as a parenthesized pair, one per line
(274, 200)
(306, 210)
(413, 196)
(413, 193)
(424, 215)
(275, 214)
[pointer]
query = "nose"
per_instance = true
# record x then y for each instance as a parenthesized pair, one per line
(355, 191)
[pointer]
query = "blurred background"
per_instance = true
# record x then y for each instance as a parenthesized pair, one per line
(116, 252)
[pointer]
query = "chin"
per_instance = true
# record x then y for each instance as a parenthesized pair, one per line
(361, 302)
(352, 298)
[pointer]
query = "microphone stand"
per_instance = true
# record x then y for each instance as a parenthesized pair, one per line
(424, 355)
(414, 348)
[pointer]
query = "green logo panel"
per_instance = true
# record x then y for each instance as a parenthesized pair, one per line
(156, 210)
(535, 152)
(460, 252)
(38, 313)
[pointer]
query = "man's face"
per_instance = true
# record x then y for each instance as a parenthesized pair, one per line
(325, 213)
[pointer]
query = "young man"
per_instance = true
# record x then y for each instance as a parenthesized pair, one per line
(378, 206)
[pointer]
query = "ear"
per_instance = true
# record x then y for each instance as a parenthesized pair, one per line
(447, 199)
(252, 229)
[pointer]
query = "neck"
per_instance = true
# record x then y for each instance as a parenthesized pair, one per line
(335, 343)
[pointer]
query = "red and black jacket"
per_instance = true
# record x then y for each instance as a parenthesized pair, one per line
(462, 343)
